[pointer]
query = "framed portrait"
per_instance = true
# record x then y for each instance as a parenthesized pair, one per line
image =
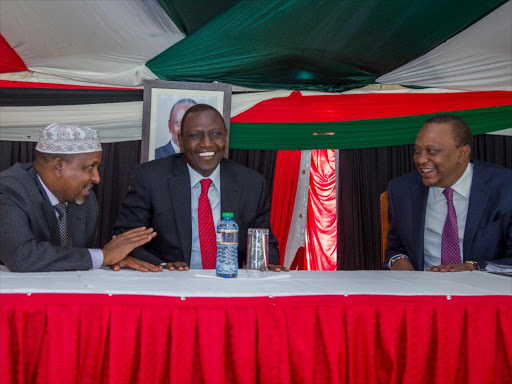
(164, 104)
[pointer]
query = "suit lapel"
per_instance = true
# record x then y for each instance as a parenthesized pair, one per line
(480, 192)
(49, 211)
(179, 187)
(230, 189)
(419, 201)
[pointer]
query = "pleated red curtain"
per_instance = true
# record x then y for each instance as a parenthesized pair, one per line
(321, 224)
(283, 196)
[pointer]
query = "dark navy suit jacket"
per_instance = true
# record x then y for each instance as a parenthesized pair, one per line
(164, 150)
(159, 198)
(488, 232)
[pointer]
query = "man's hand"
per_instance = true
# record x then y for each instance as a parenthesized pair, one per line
(120, 246)
(277, 268)
(452, 268)
(403, 264)
(177, 266)
(138, 265)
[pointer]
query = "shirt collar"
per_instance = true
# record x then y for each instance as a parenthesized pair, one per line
(53, 199)
(196, 177)
(175, 147)
(462, 186)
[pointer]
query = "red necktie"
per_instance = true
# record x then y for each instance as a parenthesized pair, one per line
(207, 239)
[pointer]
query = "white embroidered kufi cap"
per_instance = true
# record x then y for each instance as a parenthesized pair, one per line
(68, 139)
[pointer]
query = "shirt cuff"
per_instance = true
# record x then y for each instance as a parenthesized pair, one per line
(395, 258)
(96, 258)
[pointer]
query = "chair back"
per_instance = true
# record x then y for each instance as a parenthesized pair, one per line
(384, 225)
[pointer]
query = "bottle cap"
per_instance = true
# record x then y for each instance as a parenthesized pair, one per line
(227, 214)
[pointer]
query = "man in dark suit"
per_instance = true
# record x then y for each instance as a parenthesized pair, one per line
(451, 214)
(164, 195)
(174, 125)
(48, 210)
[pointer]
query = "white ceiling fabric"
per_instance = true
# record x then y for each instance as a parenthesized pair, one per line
(479, 58)
(115, 121)
(92, 41)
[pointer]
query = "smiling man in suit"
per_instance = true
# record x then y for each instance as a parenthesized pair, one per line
(451, 214)
(48, 210)
(171, 194)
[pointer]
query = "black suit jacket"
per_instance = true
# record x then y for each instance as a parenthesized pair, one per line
(159, 198)
(29, 233)
(488, 232)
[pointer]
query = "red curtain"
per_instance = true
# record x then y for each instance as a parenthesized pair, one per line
(325, 108)
(286, 176)
(96, 338)
(321, 225)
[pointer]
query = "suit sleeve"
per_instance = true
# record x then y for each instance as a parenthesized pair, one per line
(395, 246)
(136, 211)
(22, 251)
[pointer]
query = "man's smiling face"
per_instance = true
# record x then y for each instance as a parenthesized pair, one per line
(437, 157)
(203, 139)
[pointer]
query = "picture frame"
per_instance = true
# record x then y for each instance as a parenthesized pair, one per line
(160, 126)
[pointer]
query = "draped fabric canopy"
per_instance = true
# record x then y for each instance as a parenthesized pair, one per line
(297, 44)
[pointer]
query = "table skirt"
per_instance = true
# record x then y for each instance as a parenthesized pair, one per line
(99, 338)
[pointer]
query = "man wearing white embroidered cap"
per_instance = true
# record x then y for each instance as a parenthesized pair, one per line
(48, 209)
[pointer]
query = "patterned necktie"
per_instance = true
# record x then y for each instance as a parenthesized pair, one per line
(65, 238)
(207, 238)
(450, 248)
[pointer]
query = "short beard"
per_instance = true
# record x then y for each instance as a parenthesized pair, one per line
(79, 202)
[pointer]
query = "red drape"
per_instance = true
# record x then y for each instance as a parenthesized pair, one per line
(321, 225)
(10, 61)
(88, 338)
(286, 176)
(325, 108)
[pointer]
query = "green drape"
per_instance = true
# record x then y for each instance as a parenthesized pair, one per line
(356, 134)
(314, 44)
(190, 15)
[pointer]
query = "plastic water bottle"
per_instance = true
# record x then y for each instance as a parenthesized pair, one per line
(227, 246)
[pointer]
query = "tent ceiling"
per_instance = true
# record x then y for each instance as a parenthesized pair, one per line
(89, 41)
(189, 16)
(295, 44)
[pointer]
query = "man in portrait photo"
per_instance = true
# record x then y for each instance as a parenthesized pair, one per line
(174, 124)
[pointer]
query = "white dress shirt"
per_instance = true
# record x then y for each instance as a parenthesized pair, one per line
(96, 254)
(175, 147)
(214, 197)
(435, 216)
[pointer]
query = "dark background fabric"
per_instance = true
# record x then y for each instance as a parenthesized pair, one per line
(363, 175)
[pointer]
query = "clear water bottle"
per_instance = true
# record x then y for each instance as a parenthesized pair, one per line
(227, 246)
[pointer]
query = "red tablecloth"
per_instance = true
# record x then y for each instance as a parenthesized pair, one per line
(94, 338)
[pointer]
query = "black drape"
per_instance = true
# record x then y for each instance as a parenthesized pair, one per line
(263, 162)
(365, 173)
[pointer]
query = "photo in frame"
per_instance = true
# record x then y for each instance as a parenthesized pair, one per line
(164, 104)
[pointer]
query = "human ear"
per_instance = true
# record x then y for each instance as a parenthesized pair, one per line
(464, 153)
(57, 166)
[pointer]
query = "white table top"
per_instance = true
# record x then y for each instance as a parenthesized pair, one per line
(203, 283)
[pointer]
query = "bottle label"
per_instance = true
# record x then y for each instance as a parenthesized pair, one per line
(227, 237)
